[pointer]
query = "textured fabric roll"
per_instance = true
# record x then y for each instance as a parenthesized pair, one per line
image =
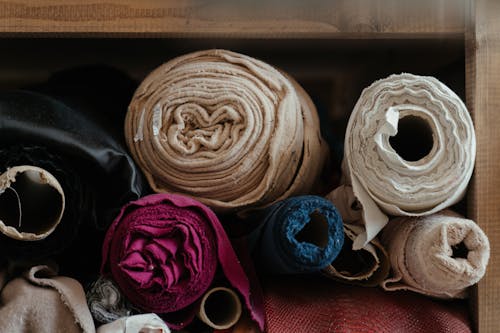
(438, 255)
(409, 150)
(227, 129)
(301, 234)
(106, 302)
(77, 203)
(40, 301)
(145, 323)
(310, 304)
(368, 266)
(174, 244)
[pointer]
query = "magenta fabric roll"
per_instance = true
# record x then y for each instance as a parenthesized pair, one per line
(163, 251)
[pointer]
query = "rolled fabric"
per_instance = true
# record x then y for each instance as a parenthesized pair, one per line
(313, 304)
(301, 234)
(438, 255)
(31, 203)
(144, 323)
(171, 243)
(220, 308)
(75, 208)
(41, 301)
(106, 302)
(229, 130)
(368, 266)
(409, 150)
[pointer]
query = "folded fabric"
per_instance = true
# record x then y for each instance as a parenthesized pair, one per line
(145, 323)
(438, 255)
(75, 209)
(226, 129)
(163, 251)
(310, 304)
(409, 150)
(368, 266)
(40, 301)
(301, 234)
(106, 302)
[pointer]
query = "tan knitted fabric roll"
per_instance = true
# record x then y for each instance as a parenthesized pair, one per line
(409, 150)
(226, 129)
(438, 255)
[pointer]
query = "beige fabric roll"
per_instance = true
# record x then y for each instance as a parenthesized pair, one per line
(226, 129)
(144, 323)
(39, 301)
(32, 203)
(368, 266)
(220, 308)
(409, 150)
(438, 255)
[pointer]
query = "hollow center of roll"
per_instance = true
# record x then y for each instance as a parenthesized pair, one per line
(315, 231)
(30, 206)
(460, 250)
(414, 139)
(353, 263)
(221, 308)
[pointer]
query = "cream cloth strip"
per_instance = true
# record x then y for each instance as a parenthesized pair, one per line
(424, 182)
(438, 255)
(226, 129)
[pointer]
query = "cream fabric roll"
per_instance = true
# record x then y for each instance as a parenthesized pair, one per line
(226, 129)
(438, 255)
(143, 323)
(421, 176)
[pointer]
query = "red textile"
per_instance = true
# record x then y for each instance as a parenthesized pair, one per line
(312, 304)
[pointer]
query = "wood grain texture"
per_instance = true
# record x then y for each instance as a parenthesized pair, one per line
(226, 18)
(483, 97)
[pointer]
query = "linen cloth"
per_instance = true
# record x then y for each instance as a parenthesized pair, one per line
(144, 323)
(227, 129)
(438, 159)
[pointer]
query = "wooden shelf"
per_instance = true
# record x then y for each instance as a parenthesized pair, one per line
(226, 18)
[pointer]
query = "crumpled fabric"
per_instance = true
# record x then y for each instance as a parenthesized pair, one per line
(40, 301)
(407, 173)
(144, 323)
(302, 234)
(438, 255)
(106, 303)
(174, 244)
(77, 203)
(229, 130)
(312, 304)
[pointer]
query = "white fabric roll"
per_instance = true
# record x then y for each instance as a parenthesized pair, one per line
(443, 145)
(144, 323)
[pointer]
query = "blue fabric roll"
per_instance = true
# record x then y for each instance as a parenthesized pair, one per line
(290, 241)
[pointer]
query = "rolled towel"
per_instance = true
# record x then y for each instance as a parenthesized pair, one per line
(174, 244)
(41, 301)
(409, 150)
(438, 255)
(301, 234)
(31, 203)
(144, 323)
(368, 266)
(60, 229)
(220, 308)
(226, 129)
(106, 303)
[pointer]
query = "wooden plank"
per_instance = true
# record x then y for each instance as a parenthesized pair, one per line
(483, 97)
(225, 18)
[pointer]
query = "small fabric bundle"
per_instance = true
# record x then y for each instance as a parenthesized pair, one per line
(40, 301)
(311, 304)
(163, 252)
(226, 129)
(106, 303)
(409, 150)
(301, 234)
(145, 323)
(438, 255)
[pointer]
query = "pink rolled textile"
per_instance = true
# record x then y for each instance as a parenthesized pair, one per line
(163, 251)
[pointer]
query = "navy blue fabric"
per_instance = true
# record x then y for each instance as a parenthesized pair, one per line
(275, 246)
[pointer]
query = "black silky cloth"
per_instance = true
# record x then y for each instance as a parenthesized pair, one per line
(77, 117)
